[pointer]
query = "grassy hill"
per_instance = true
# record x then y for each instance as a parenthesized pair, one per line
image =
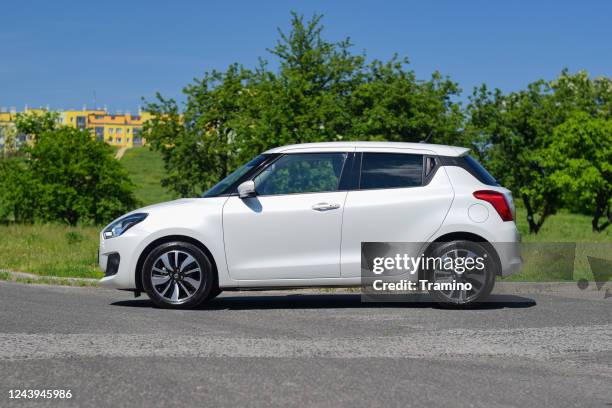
(146, 169)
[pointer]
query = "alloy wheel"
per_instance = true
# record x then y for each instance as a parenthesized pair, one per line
(476, 277)
(176, 276)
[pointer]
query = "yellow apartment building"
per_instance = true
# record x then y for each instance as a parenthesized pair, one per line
(7, 118)
(119, 129)
(78, 118)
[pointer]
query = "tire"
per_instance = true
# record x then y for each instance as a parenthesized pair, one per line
(482, 281)
(216, 291)
(178, 275)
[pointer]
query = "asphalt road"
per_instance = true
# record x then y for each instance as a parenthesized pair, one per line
(287, 349)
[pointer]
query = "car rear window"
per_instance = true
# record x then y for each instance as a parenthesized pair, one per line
(480, 172)
(391, 170)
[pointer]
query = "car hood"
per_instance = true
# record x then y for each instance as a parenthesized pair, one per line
(168, 204)
(183, 205)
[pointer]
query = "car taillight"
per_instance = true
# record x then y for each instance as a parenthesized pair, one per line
(498, 201)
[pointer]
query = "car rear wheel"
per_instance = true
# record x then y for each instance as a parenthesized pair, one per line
(480, 280)
(178, 275)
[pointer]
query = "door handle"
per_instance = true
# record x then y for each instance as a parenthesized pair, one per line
(325, 207)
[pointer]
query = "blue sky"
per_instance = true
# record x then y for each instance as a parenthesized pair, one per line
(60, 52)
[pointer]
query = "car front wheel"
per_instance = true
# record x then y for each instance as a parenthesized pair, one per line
(178, 275)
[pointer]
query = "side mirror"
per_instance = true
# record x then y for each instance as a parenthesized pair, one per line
(247, 189)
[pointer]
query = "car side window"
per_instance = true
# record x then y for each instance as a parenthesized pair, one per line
(301, 173)
(391, 170)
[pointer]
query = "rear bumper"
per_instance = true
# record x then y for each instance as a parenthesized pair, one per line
(509, 251)
(512, 267)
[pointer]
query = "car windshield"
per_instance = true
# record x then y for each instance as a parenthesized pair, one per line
(223, 185)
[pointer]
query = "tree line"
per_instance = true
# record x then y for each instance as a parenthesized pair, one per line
(550, 143)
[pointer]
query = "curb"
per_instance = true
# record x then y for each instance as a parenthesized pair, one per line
(542, 287)
(54, 280)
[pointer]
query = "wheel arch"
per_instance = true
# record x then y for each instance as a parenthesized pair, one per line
(169, 238)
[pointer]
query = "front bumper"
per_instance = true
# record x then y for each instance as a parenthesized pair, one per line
(118, 258)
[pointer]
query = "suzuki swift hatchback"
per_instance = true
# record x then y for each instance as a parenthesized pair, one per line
(296, 216)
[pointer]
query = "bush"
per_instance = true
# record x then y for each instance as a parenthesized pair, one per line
(65, 176)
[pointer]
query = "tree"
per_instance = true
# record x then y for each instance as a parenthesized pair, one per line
(321, 91)
(9, 136)
(36, 123)
(17, 191)
(200, 146)
(390, 104)
(511, 133)
(580, 159)
(64, 175)
(78, 178)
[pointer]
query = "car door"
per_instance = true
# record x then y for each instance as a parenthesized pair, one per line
(396, 201)
(291, 229)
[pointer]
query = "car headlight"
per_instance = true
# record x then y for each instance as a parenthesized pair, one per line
(123, 224)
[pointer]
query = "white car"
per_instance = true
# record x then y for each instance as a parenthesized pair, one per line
(295, 216)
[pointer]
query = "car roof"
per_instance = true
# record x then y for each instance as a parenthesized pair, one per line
(441, 150)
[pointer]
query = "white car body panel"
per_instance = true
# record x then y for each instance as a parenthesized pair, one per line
(283, 237)
(503, 235)
(200, 219)
(392, 215)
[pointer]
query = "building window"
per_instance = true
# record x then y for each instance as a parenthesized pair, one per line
(99, 133)
(128, 130)
(118, 140)
(110, 131)
(137, 137)
(110, 140)
(119, 131)
(81, 122)
(127, 140)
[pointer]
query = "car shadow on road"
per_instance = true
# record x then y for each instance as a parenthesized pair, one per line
(229, 301)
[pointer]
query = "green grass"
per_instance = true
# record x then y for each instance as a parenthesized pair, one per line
(146, 169)
(548, 259)
(562, 227)
(50, 250)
